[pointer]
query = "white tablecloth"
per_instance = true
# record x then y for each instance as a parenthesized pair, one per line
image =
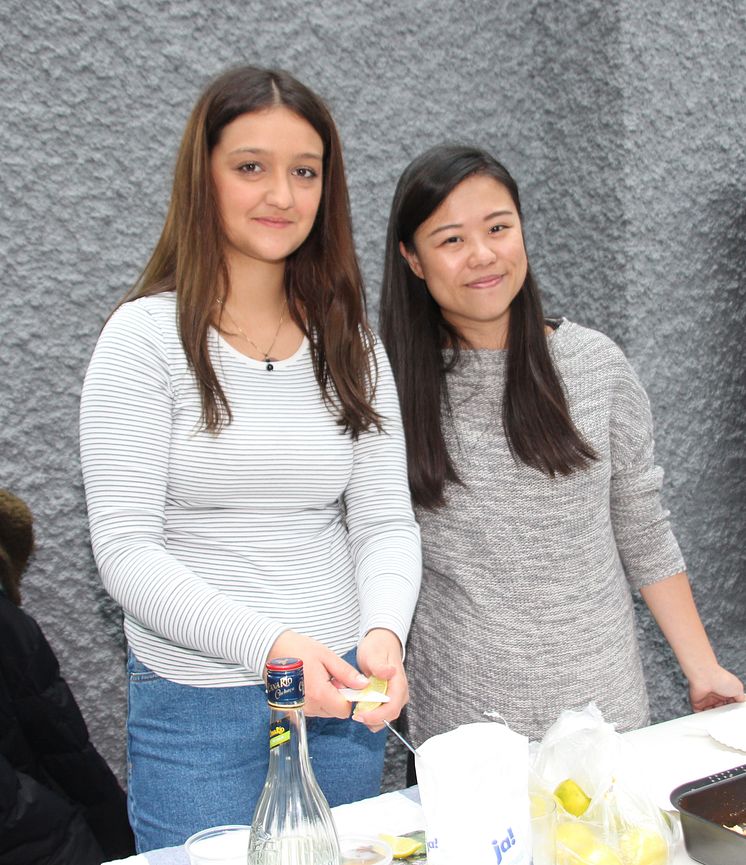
(667, 755)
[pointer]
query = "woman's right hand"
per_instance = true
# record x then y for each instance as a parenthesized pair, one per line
(324, 672)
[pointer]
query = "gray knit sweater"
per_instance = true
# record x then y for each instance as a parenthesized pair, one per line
(526, 605)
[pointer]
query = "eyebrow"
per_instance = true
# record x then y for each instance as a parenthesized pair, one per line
(261, 152)
(460, 224)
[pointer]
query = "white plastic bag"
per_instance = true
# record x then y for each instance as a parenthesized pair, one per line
(621, 825)
(474, 791)
(579, 745)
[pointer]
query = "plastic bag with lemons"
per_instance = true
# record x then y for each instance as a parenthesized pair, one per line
(604, 815)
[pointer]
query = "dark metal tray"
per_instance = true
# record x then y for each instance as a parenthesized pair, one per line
(706, 806)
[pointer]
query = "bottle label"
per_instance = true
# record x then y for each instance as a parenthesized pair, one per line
(279, 734)
(285, 686)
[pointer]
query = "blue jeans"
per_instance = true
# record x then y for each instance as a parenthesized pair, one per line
(198, 757)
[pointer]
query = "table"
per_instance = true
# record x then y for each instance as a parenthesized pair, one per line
(667, 754)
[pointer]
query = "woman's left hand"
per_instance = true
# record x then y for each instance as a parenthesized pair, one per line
(715, 687)
(380, 654)
(672, 604)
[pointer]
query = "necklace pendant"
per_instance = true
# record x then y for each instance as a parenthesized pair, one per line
(270, 365)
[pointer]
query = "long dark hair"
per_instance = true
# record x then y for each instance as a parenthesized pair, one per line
(323, 283)
(535, 416)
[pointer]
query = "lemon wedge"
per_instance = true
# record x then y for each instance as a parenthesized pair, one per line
(402, 847)
(374, 684)
(578, 845)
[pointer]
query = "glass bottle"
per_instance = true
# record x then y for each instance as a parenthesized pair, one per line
(292, 823)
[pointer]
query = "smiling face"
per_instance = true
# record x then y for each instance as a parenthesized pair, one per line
(267, 172)
(470, 253)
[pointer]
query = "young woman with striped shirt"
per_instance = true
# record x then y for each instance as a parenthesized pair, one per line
(245, 469)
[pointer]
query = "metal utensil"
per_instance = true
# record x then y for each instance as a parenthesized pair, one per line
(353, 696)
(403, 740)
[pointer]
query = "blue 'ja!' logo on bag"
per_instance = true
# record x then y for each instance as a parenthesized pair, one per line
(503, 846)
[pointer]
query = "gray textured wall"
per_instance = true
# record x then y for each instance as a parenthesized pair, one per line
(624, 123)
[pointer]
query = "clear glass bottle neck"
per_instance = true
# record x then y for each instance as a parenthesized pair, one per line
(292, 822)
(295, 750)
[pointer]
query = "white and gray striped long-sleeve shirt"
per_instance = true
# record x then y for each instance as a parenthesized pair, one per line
(215, 544)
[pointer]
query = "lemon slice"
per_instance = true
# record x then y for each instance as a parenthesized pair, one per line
(374, 684)
(403, 848)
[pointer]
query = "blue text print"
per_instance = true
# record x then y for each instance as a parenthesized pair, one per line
(502, 847)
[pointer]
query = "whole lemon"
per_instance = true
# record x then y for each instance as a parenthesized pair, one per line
(576, 837)
(572, 796)
(640, 846)
(577, 844)
(602, 855)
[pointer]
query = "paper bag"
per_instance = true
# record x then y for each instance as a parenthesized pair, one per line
(474, 791)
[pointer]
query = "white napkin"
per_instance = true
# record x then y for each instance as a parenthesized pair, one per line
(670, 756)
(392, 813)
(729, 728)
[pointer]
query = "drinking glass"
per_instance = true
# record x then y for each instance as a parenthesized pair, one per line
(220, 845)
(543, 829)
(364, 850)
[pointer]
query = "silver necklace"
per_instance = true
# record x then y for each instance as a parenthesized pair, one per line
(265, 354)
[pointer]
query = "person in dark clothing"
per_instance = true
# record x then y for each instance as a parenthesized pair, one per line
(60, 803)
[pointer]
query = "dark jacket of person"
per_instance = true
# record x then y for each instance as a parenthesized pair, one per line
(60, 803)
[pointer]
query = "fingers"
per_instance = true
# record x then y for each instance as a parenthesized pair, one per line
(379, 654)
(382, 669)
(718, 687)
(374, 719)
(322, 698)
(321, 669)
(322, 695)
(398, 691)
(344, 675)
(713, 701)
(325, 672)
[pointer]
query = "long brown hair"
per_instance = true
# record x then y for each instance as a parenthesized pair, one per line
(536, 419)
(323, 283)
